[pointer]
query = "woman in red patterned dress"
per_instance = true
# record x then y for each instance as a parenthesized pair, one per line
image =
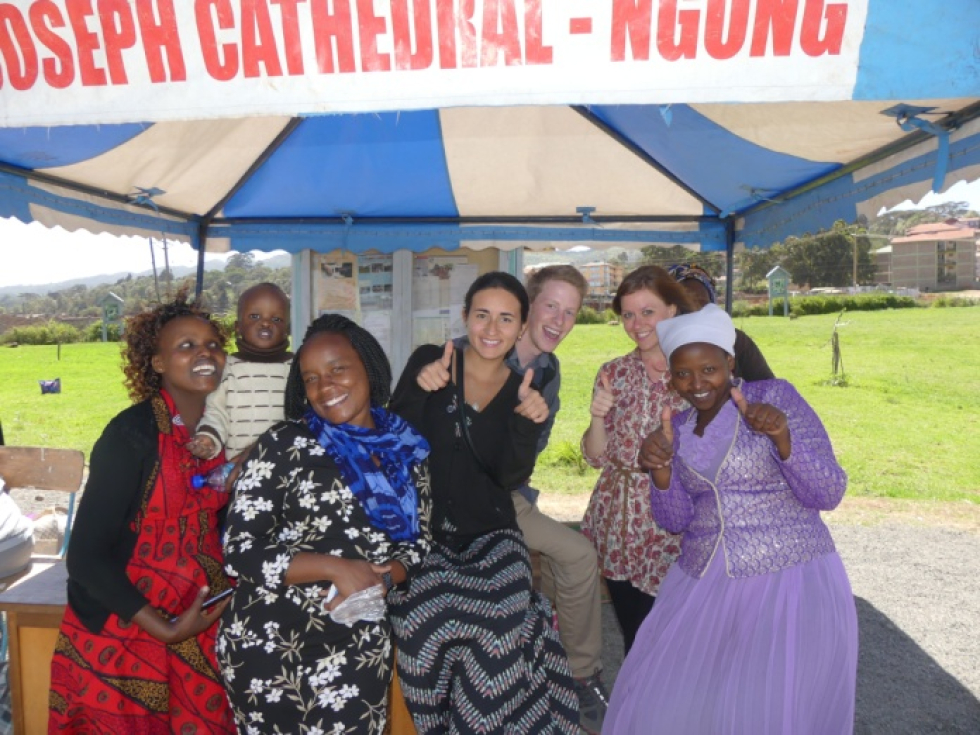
(135, 653)
(628, 399)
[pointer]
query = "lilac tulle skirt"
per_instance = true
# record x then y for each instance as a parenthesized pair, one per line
(760, 655)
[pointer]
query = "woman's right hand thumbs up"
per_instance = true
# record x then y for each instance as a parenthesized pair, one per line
(435, 375)
(657, 449)
(603, 398)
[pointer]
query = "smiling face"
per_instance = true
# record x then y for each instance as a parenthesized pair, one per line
(641, 312)
(335, 380)
(701, 374)
(263, 317)
(552, 315)
(189, 357)
(493, 322)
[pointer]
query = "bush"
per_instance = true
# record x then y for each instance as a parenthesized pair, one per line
(51, 333)
(94, 333)
(831, 304)
(565, 454)
(588, 315)
(952, 301)
(746, 308)
(227, 322)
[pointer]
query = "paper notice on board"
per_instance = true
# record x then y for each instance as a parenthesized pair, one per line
(336, 283)
(440, 281)
(460, 281)
(374, 281)
(378, 323)
(430, 327)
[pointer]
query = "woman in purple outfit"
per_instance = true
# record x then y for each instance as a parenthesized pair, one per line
(755, 629)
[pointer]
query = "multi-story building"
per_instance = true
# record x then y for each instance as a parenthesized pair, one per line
(603, 278)
(938, 256)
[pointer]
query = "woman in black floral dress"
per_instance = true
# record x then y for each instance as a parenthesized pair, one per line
(336, 495)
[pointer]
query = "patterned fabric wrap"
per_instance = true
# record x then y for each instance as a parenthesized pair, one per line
(121, 679)
(762, 513)
(477, 652)
(387, 493)
(288, 667)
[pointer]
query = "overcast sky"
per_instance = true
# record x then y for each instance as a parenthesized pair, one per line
(33, 254)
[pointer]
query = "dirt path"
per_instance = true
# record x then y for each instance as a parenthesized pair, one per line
(914, 568)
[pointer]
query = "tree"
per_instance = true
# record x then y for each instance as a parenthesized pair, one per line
(241, 261)
(827, 258)
(946, 210)
(676, 254)
(755, 264)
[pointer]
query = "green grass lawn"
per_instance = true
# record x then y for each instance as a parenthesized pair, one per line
(91, 393)
(905, 425)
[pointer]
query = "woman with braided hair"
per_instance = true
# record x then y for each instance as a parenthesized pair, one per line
(334, 498)
(136, 652)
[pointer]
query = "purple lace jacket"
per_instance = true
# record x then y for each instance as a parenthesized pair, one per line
(762, 513)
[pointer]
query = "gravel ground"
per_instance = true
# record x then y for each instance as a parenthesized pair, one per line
(916, 585)
(915, 572)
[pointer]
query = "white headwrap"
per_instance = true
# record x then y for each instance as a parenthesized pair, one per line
(711, 325)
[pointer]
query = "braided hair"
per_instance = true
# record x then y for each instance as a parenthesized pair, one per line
(141, 337)
(375, 361)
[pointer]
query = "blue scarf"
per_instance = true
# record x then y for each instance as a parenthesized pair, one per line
(387, 493)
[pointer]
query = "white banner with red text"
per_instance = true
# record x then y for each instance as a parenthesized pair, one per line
(113, 61)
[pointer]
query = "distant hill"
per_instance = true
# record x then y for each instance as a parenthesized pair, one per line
(275, 262)
(579, 257)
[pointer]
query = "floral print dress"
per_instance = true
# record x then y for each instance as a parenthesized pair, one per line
(619, 520)
(288, 667)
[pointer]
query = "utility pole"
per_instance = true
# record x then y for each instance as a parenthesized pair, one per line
(854, 274)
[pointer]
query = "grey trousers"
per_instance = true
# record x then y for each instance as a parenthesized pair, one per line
(570, 579)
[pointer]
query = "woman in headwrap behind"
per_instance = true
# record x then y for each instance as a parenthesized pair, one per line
(750, 364)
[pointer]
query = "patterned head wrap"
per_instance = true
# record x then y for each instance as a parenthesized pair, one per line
(689, 272)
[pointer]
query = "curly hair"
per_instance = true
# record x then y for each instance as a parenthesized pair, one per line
(141, 337)
(375, 361)
(656, 279)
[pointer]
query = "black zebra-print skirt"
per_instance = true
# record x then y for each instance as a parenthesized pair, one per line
(477, 651)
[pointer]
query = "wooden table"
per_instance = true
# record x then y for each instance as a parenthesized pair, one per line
(34, 605)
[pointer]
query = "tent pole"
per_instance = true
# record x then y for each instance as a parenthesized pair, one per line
(200, 242)
(729, 262)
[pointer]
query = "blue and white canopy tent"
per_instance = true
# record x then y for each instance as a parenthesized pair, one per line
(481, 123)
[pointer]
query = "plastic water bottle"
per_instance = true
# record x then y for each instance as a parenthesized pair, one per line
(216, 479)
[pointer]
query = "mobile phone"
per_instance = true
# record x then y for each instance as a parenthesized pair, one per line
(212, 601)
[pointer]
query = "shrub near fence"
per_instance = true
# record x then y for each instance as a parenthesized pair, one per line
(52, 333)
(830, 304)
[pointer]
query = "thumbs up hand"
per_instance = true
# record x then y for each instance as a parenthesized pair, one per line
(765, 419)
(657, 449)
(603, 399)
(532, 406)
(435, 375)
